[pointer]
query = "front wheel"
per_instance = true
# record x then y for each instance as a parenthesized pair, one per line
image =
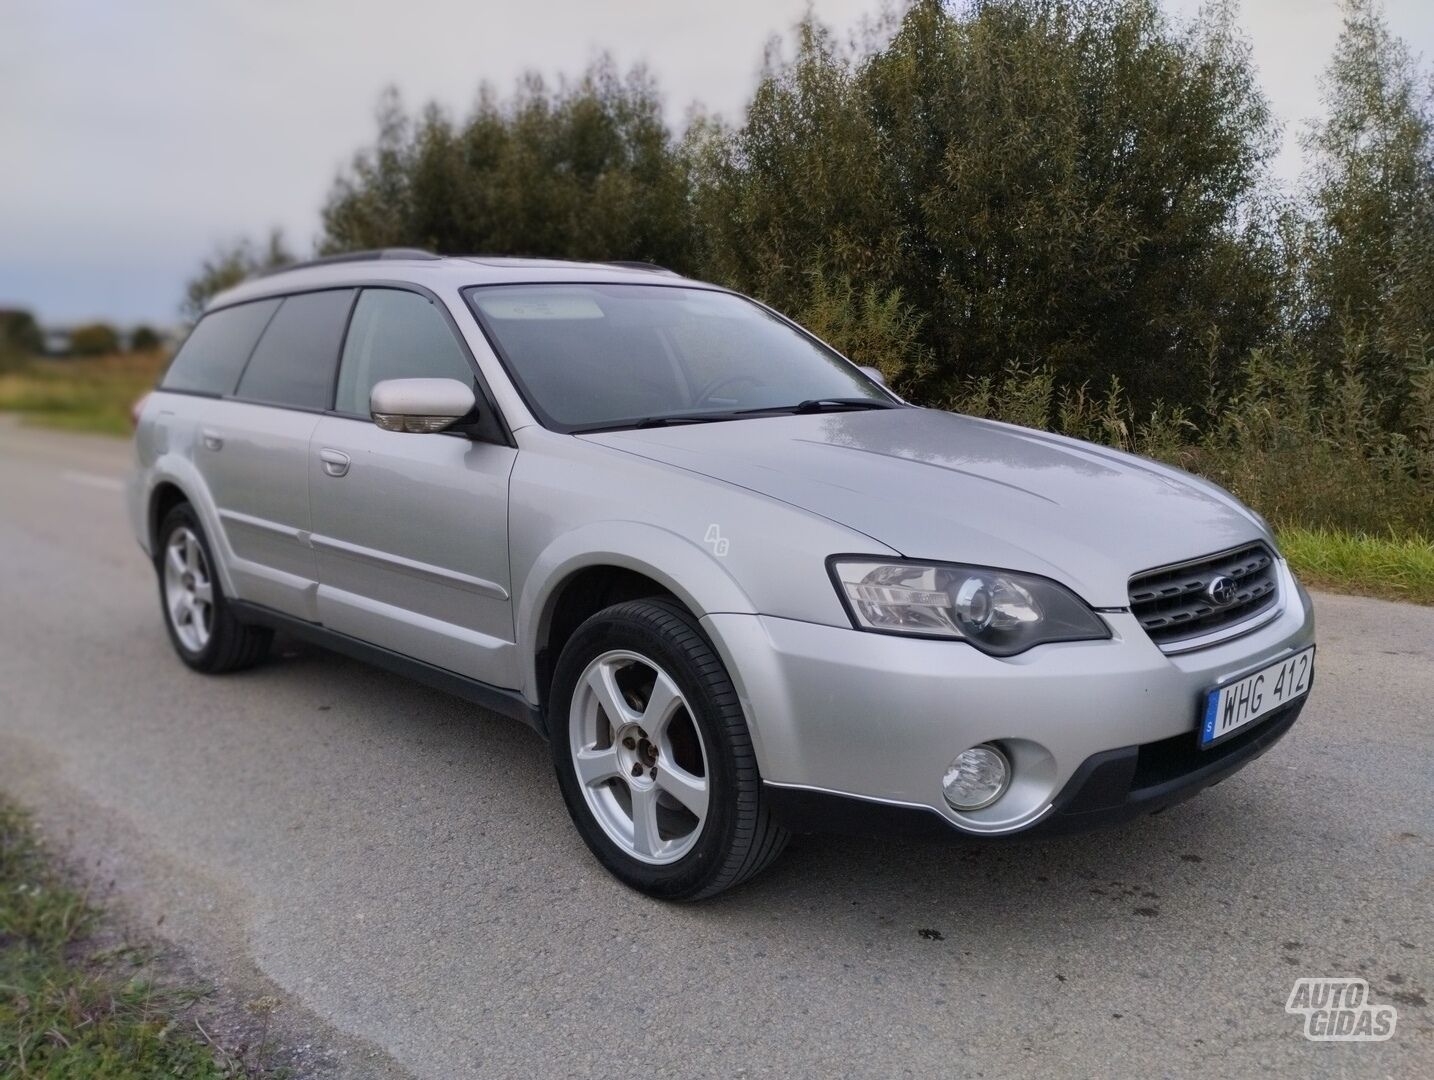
(653, 755)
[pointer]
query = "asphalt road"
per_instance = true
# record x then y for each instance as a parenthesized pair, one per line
(400, 867)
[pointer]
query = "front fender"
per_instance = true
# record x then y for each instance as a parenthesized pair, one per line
(685, 568)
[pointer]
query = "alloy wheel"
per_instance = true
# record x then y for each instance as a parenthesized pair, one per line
(188, 590)
(639, 757)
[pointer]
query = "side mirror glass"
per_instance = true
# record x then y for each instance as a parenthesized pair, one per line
(874, 374)
(420, 405)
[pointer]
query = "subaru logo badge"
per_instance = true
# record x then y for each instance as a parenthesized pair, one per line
(1221, 591)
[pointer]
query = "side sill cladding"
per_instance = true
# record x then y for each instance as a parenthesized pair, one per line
(505, 702)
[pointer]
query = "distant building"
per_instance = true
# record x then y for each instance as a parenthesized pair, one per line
(57, 340)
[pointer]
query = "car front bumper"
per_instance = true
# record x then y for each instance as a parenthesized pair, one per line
(854, 729)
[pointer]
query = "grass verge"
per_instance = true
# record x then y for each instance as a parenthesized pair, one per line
(68, 1011)
(81, 395)
(1393, 567)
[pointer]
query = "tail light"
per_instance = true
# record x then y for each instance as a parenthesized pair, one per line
(136, 409)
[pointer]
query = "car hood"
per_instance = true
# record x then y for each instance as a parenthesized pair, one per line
(937, 485)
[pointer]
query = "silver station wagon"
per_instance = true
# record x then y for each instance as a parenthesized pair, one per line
(742, 588)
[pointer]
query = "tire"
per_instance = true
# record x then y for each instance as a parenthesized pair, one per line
(202, 626)
(611, 682)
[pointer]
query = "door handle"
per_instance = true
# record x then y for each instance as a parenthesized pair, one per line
(336, 463)
(211, 440)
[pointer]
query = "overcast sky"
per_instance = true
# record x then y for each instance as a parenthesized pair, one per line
(138, 135)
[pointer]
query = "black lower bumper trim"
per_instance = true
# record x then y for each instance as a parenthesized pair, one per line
(1109, 787)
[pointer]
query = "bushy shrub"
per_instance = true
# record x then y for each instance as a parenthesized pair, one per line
(20, 334)
(1303, 447)
(873, 328)
(144, 339)
(1068, 183)
(94, 339)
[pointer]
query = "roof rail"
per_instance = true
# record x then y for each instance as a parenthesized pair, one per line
(628, 264)
(355, 256)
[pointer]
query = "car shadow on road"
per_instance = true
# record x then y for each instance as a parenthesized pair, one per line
(1163, 883)
(1127, 860)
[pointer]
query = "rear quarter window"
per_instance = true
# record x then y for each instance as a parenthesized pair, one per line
(211, 358)
(297, 358)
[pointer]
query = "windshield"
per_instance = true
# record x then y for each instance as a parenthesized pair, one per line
(606, 356)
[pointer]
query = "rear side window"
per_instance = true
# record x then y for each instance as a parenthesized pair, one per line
(294, 362)
(211, 358)
(396, 335)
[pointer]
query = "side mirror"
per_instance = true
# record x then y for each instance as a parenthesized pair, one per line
(420, 405)
(874, 374)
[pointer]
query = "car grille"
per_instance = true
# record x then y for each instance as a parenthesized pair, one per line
(1172, 604)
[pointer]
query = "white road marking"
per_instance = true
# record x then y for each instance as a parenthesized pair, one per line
(108, 483)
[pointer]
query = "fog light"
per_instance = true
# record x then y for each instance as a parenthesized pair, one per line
(976, 777)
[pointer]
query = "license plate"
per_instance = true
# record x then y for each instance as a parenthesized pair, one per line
(1255, 696)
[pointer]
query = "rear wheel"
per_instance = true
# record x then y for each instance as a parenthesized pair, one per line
(653, 754)
(202, 626)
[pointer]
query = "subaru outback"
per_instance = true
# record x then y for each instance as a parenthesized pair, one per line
(741, 587)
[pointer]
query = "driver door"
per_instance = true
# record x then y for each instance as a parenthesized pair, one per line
(410, 531)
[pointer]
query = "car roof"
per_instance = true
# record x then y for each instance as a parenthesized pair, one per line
(407, 265)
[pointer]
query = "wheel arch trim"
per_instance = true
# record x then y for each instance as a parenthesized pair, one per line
(179, 473)
(679, 565)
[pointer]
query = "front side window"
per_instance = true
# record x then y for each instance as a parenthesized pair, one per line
(395, 335)
(211, 358)
(596, 356)
(294, 362)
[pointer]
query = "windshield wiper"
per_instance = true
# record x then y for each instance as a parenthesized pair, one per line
(816, 405)
(653, 422)
(679, 418)
(832, 404)
(812, 405)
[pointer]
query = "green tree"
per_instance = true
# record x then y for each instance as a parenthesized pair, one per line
(144, 338)
(20, 333)
(228, 266)
(1369, 258)
(94, 339)
(1066, 182)
(804, 185)
(587, 170)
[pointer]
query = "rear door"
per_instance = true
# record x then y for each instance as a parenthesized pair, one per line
(253, 450)
(411, 531)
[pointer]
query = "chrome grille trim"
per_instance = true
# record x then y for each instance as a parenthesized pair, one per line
(1171, 604)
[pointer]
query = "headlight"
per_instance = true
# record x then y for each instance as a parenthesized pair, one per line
(998, 611)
